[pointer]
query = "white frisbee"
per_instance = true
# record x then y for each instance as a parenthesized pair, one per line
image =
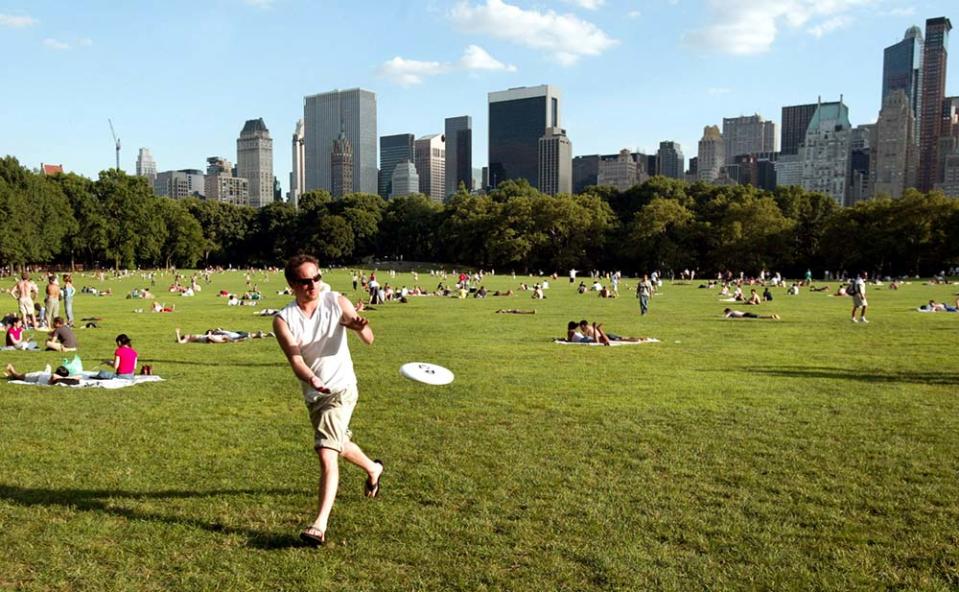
(426, 373)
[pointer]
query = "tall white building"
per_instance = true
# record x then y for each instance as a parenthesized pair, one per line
(254, 161)
(712, 154)
(621, 172)
(431, 165)
(146, 166)
(404, 180)
(221, 185)
(297, 179)
(750, 134)
(326, 115)
(555, 162)
(825, 151)
(893, 148)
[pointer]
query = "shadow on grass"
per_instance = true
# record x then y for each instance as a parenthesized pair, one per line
(870, 376)
(102, 500)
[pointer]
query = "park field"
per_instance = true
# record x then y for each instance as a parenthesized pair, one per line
(803, 454)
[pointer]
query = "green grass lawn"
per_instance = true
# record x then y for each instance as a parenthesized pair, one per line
(804, 454)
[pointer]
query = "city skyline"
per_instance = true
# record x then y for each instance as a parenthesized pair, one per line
(701, 66)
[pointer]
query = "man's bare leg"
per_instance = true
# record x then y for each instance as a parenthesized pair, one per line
(355, 455)
(329, 481)
(11, 372)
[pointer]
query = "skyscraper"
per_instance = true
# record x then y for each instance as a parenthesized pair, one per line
(297, 178)
(670, 161)
(459, 153)
(933, 92)
(620, 172)
(431, 165)
(902, 70)
(858, 187)
(892, 154)
(795, 122)
(179, 184)
(394, 150)
(712, 154)
(518, 118)
(221, 185)
(825, 151)
(146, 167)
(325, 115)
(404, 180)
(254, 161)
(555, 165)
(749, 134)
(341, 166)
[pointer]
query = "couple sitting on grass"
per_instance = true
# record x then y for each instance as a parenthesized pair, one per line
(124, 366)
(584, 332)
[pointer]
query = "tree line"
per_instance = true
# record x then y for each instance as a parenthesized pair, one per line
(117, 221)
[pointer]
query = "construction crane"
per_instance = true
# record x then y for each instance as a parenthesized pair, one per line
(116, 141)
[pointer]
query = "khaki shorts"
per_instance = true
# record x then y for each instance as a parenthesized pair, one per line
(26, 308)
(330, 415)
(858, 301)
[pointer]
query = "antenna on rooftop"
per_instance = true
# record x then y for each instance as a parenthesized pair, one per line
(116, 141)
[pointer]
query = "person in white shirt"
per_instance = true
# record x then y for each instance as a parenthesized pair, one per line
(311, 331)
(857, 289)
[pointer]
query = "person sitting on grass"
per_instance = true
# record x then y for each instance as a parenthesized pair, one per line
(157, 307)
(60, 375)
(124, 361)
(221, 336)
(767, 295)
(737, 314)
(15, 338)
(753, 298)
(61, 338)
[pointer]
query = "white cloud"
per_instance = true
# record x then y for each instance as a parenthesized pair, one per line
(406, 72)
(564, 36)
(718, 90)
(477, 58)
(55, 44)
(16, 22)
(633, 14)
(752, 28)
(587, 4)
(901, 11)
(409, 72)
(828, 26)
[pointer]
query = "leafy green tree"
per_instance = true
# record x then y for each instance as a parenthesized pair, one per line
(184, 244)
(135, 230)
(659, 236)
(409, 228)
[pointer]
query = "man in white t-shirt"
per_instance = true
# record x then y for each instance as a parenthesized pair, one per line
(311, 330)
(857, 289)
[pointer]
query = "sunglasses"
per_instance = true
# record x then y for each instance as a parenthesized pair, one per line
(307, 281)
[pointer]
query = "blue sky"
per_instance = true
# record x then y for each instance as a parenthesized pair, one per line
(181, 77)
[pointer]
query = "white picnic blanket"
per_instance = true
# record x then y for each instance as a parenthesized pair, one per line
(611, 343)
(87, 382)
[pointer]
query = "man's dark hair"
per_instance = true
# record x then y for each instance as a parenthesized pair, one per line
(583, 322)
(57, 320)
(296, 261)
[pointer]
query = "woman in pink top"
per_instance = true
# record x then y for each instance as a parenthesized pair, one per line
(124, 361)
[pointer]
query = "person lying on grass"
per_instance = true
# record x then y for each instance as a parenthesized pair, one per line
(221, 336)
(515, 311)
(46, 376)
(934, 306)
(584, 332)
(738, 314)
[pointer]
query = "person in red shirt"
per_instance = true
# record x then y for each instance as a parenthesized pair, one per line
(124, 361)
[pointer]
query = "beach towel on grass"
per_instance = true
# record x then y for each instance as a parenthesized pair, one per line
(611, 343)
(87, 382)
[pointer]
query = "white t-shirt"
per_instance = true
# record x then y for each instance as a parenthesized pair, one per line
(322, 342)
